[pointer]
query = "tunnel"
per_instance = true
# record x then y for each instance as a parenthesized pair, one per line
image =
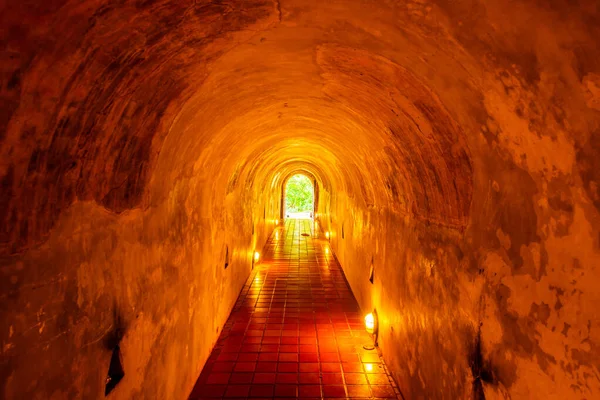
(454, 149)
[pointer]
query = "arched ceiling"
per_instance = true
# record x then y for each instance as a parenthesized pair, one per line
(387, 101)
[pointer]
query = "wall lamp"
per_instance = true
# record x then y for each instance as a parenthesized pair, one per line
(256, 256)
(327, 235)
(372, 328)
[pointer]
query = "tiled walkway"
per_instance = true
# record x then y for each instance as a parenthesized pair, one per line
(296, 330)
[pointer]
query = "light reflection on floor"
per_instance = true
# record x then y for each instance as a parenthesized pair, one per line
(296, 330)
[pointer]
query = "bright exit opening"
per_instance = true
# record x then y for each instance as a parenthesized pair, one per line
(299, 197)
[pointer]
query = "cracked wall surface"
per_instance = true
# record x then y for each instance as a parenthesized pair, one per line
(456, 144)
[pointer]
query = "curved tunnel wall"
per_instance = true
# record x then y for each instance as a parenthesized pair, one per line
(457, 146)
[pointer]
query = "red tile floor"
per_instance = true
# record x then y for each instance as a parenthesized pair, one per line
(296, 330)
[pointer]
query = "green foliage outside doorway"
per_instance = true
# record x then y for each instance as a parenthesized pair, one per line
(299, 194)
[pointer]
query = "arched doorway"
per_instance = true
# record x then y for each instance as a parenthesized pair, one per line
(299, 197)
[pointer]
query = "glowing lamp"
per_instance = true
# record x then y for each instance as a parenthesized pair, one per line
(370, 323)
(327, 235)
(276, 222)
(372, 328)
(256, 256)
(369, 367)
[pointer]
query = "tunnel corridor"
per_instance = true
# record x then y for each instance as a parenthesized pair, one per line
(296, 330)
(454, 149)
